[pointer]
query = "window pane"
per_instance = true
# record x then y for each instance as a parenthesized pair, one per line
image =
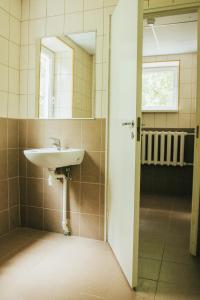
(160, 88)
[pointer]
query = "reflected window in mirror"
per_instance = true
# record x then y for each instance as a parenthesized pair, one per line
(67, 85)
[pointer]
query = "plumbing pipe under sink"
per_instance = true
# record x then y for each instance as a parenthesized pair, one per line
(65, 177)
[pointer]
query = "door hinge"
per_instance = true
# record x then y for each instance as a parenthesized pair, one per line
(138, 129)
(197, 132)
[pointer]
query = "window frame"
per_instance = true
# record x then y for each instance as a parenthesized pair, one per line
(173, 64)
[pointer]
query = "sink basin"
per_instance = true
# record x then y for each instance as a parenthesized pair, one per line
(52, 158)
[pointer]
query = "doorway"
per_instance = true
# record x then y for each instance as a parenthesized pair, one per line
(169, 113)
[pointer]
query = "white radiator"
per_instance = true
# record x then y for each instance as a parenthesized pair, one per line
(165, 148)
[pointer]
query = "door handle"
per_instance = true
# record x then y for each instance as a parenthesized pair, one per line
(132, 124)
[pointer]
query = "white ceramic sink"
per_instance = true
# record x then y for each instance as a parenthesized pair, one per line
(52, 158)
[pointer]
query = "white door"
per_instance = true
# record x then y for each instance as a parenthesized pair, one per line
(123, 192)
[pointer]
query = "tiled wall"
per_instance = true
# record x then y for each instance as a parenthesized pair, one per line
(83, 72)
(40, 203)
(9, 180)
(54, 18)
(82, 81)
(186, 117)
(162, 3)
(164, 180)
(10, 13)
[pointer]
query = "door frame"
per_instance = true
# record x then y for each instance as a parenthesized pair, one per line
(173, 10)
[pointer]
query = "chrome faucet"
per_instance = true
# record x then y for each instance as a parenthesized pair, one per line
(56, 143)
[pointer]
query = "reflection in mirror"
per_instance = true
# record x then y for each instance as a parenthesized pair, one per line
(67, 76)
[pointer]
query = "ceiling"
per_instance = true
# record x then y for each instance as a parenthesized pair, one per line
(86, 40)
(170, 35)
(54, 44)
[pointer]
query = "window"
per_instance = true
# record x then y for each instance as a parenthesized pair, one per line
(46, 83)
(160, 86)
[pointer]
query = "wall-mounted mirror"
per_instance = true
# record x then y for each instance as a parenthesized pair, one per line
(67, 73)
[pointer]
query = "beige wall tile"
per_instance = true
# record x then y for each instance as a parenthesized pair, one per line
(34, 171)
(4, 51)
(13, 163)
(55, 26)
(102, 168)
(184, 121)
(102, 200)
(22, 163)
(5, 4)
(23, 133)
(35, 192)
(13, 192)
(36, 30)
(90, 198)
(4, 24)
(35, 138)
(93, 20)
(34, 217)
(72, 6)
(172, 120)
(52, 220)
(110, 2)
(15, 30)
(74, 197)
(23, 190)
(74, 22)
(3, 164)
(93, 4)
(37, 9)
(53, 195)
(13, 133)
(90, 167)
(91, 135)
(76, 173)
(3, 133)
(24, 215)
(89, 226)
(25, 10)
(101, 228)
(3, 195)
(161, 120)
(158, 3)
(4, 222)
(148, 120)
(74, 222)
(14, 217)
(55, 8)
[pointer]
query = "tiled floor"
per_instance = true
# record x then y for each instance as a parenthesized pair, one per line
(48, 266)
(164, 249)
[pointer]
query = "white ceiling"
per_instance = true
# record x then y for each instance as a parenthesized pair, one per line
(54, 44)
(171, 35)
(86, 40)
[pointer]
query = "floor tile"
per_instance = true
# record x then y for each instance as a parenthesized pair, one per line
(171, 291)
(151, 250)
(179, 273)
(149, 268)
(146, 289)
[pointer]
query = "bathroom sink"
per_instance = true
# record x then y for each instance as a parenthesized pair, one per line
(53, 158)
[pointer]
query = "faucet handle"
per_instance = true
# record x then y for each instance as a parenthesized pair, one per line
(56, 142)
